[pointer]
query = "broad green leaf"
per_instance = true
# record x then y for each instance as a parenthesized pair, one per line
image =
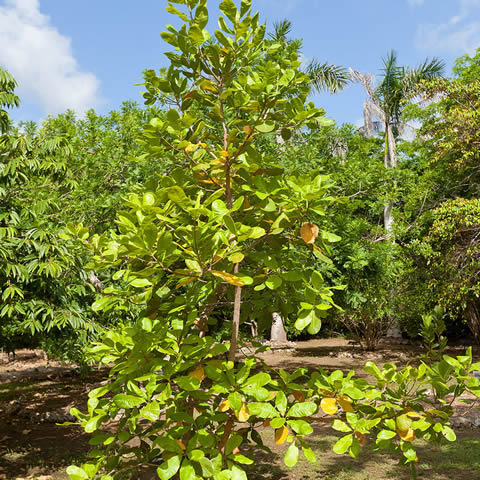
(169, 468)
(343, 444)
(187, 472)
(76, 473)
(386, 435)
(273, 282)
(340, 426)
(291, 457)
(127, 401)
(262, 410)
(188, 383)
(302, 409)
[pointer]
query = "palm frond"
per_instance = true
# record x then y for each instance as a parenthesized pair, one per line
(367, 80)
(327, 77)
(281, 30)
(428, 70)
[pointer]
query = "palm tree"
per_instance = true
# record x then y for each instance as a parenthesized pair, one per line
(386, 103)
(8, 99)
(324, 76)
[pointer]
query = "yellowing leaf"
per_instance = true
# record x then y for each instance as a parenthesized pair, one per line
(408, 436)
(345, 403)
(272, 395)
(403, 423)
(185, 281)
(224, 153)
(224, 406)
(215, 363)
(281, 435)
(243, 414)
(198, 373)
(309, 232)
(181, 444)
(229, 278)
(298, 395)
(329, 405)
(248, 129)
(414, 415)
(190, 148)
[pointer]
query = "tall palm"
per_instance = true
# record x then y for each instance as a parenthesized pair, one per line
(324, 76)
(8, 99)
(388, 99)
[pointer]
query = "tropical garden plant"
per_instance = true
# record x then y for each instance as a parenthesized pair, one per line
(225, 225)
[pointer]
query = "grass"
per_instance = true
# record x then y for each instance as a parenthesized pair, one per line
(459, 461)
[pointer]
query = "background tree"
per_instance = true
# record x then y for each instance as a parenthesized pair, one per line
(8, 99)
(386, 102)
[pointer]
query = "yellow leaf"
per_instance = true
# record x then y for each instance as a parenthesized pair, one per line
(309, 232)
(243, 413)
(329, 405)
(182, 445)
(298, 395)
(224, 153)
(345, 403)
(190, 148)
(224, 406)
(414, 415)
(281, 435)
(229, 278)
(198, 373)
(408, 436)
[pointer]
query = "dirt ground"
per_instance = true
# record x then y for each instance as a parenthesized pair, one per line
(36, 395)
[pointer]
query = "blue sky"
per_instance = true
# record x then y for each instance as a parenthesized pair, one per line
(90, 53)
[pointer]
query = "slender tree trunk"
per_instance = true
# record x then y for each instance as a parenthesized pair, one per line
(237, 303)
(390, 161)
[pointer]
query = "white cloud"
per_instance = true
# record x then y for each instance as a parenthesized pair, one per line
(42, 61)
(459, 34)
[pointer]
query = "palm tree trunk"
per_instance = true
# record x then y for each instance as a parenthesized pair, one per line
(390, 161)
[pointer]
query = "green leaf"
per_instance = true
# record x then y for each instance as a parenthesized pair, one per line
(187, 383)
(262, 410)
(291, 457)
(449, 434)
(281, 402)
(301, 427)
(169, 468)
(273, 282)
(141, 282)
(386, 435)
(315, 324)
(228, 8)
(309, 455)
(340, 426)
(242, 459)
(265, 127)
(302, 409)
(127, 401)
(76, 473)
(187, 472)
(343, 444)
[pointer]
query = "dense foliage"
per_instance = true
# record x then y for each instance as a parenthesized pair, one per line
(160, 230)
